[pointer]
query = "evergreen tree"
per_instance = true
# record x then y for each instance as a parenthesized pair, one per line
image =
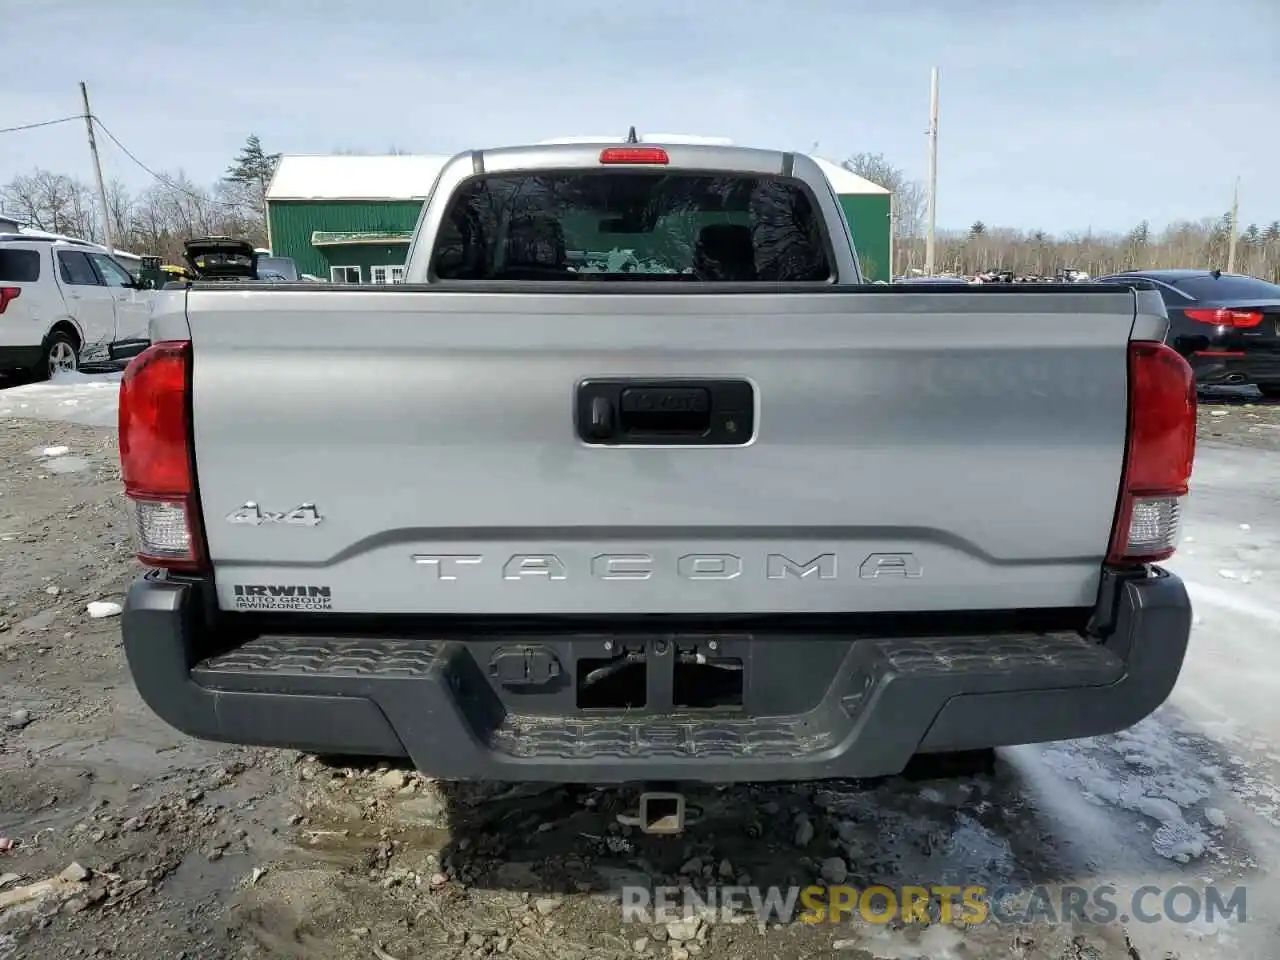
(253, 169)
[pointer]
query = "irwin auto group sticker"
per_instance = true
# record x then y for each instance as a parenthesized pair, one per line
(281, 596)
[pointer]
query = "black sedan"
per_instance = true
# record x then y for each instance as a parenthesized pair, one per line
(1226, 325)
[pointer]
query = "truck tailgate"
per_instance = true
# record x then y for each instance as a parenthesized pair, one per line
(926, 451)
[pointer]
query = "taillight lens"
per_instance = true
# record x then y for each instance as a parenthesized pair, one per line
(1158, 458)
(644, 155)
(1240, 319)
(156, 458)
(7, 294)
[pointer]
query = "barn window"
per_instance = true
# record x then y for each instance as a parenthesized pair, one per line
(391, 273)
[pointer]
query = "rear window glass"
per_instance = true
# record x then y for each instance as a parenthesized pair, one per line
(19, 266)
(273, 268)
(1228, 288)
(632, 225)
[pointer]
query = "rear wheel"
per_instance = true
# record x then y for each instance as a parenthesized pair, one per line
(1270, 390)
(61, 355)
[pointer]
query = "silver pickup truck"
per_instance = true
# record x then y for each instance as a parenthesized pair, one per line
(635, 480)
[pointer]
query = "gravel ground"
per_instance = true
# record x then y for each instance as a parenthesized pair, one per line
(1239, 416)
(121, 838)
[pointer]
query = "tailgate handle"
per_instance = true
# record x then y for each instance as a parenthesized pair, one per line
(666, 413)
(679, 410)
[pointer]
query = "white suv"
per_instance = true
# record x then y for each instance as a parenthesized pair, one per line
(62, 302)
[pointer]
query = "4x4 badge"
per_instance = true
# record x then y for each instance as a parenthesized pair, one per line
(303, 515)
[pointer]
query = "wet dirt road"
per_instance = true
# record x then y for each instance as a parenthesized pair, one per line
(156, 846)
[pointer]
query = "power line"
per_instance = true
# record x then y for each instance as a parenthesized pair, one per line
(168, 182)
(42, 123)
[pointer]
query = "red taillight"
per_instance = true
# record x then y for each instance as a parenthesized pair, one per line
(155, 456)
(1159, 454)
(1240, 319)
(7, 294)
(650, 155)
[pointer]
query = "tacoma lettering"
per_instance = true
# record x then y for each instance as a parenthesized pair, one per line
(690, 566)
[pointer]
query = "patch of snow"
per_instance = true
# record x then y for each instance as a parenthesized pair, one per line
(1230, 681)
(937, 942)
(1167, 781)
(909, 832)
(91, 399)
(1179, 840)
(54, 451)
(1233, 602)
(98, 609)
(71, 464)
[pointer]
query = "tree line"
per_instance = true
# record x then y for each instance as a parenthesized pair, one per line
(155, 220)
(981, 248)
(158, 219)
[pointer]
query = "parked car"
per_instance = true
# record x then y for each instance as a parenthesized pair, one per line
(732, 516)
(221, 258)
(280, 269)
(62, 303)
(1227, 325)
(226, 258)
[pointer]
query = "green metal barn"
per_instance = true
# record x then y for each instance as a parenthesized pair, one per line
(869, 209)
(349, 218)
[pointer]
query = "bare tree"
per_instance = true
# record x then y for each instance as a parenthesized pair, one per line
(1201, 244)
(51, 201)
(119, 209)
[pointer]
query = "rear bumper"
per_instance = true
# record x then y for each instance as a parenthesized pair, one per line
(1224, 367)
(22, 357)
(430, 701)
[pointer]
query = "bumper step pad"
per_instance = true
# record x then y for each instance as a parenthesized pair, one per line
(343, 666)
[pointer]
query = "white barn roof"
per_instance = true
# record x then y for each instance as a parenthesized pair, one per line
(846, 182)
(345, 177)
(410, 176)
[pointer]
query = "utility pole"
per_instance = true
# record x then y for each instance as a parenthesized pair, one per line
(893, 233)
(1235, 228)
(931, 230)
(97, 169)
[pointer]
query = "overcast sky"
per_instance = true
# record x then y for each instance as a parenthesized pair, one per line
(1057, 116)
